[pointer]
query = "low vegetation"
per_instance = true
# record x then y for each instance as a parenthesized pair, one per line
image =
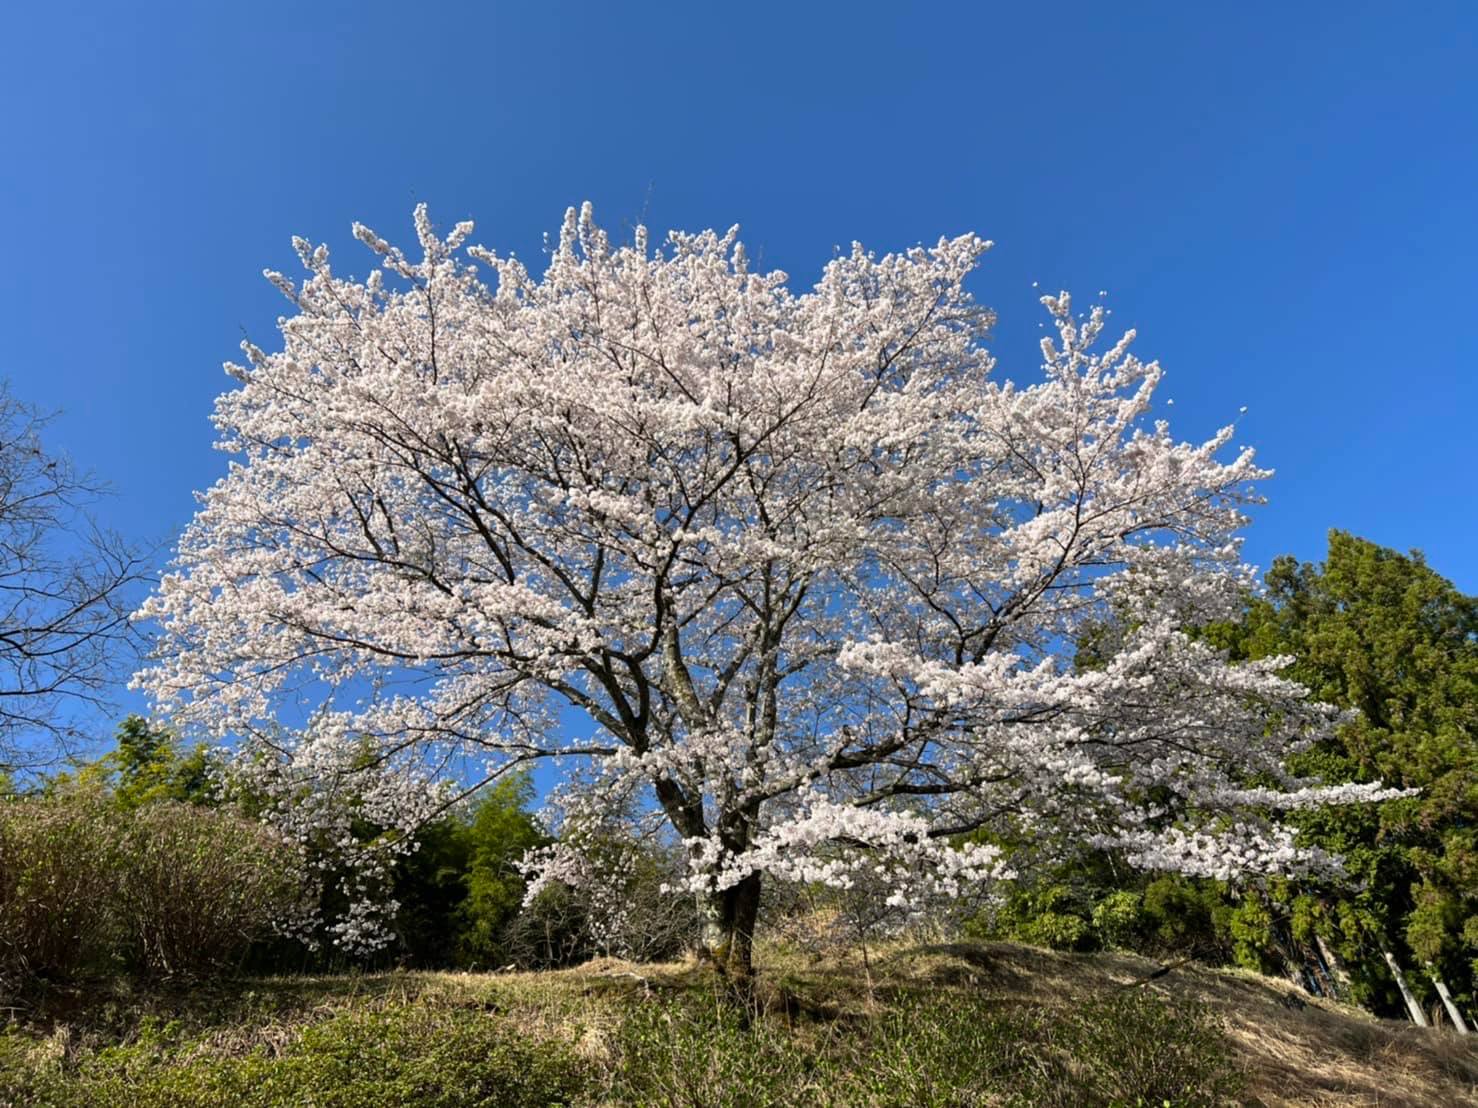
(956, 1024)
(89, 889)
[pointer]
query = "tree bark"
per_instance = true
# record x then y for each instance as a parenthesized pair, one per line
(728, 929)
(1338, 974)
(1452, 1012)
(1418, 1017)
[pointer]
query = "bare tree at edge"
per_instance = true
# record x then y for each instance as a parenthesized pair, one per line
(65, 583)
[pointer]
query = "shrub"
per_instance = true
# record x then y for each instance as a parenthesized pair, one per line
(200, 887)
(1182, 914)
(88, 887)
(1051, 915)
(1118, 918)
(60, 863)
(1057, 930)
(551, 931)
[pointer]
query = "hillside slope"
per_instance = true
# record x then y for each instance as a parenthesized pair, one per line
(952, 1024)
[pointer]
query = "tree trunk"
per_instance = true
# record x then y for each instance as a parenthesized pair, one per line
(1337, 971)
(1318, 972)
(1293, 962)
(728, 929)
(1418, 1017)
(1452, 1012)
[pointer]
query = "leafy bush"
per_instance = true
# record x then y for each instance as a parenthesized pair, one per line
(551, 931)
(1050, 915)
(60, 862)
(1058, 930)
(89, 887)
(1182, 913)
(1117, 918)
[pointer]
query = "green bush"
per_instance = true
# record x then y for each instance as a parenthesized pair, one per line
(88, 887)
(460, 888)
(1057, 930)
(1050, 915)
(1183, 914)
(1118, 919)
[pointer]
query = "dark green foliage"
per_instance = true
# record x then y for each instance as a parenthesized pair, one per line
(458, 890)
(148, 765)
(1089, 903)
(1371, 630)
(1380, 632)
(461, 888)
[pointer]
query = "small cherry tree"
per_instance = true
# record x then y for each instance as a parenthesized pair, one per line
(810, 571)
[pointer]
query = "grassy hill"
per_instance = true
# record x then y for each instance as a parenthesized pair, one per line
(957, 1024)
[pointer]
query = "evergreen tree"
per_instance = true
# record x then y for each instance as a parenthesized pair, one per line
(1380, 632)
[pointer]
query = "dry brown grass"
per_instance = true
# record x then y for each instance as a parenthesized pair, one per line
(1294, 1048)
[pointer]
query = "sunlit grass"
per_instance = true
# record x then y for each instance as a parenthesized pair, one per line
(946, 1024)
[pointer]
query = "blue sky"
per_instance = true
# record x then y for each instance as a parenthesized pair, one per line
(1280, 197)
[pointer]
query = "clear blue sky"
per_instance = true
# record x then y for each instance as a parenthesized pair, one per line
(1281, 197)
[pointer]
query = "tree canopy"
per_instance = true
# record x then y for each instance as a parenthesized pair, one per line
(809, 570)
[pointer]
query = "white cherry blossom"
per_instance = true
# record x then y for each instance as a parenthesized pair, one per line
(813, 572)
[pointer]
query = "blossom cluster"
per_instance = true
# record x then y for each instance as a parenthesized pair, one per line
(351, 813)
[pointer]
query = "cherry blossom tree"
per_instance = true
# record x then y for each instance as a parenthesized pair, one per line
(810, 571)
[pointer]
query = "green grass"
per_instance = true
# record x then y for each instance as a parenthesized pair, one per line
(929, 1050)
(686, 1050)
(934, 1027)
(398, 1055)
